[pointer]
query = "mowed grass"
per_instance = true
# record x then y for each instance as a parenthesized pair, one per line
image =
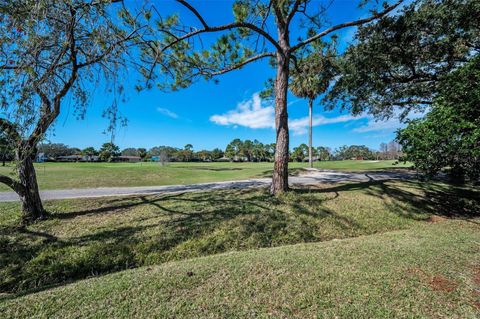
(90, 237)
(91, 175)
(427, 271)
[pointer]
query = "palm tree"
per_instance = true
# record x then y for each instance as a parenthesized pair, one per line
(310, 78)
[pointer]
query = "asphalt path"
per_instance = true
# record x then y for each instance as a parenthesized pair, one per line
(308, 178)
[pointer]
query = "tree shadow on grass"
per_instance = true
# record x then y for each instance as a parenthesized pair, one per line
(423, 198)
(145, 230)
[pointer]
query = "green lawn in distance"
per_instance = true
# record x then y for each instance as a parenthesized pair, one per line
(91, 175)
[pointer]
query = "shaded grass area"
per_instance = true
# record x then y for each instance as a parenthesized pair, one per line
(89, 175)
(427, 271)
(89, 237)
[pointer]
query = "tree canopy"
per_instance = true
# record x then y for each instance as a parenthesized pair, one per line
(398, 61)
(449, 136)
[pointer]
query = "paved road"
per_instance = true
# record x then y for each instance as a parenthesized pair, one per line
(310, 177)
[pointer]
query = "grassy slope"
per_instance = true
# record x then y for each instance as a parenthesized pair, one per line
(83, 175)
(430, 270)
(95, 236)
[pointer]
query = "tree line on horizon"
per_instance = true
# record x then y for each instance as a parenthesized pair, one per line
(237, 150)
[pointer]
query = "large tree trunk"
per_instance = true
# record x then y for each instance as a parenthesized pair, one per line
(280, 171)
(32, 207)
(310, 155)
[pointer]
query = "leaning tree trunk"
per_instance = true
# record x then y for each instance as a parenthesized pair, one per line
(32, 207)
(280, 171)
(310, 155)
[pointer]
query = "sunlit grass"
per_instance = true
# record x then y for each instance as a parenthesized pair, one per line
(86, 237)
(88, 175)
(427, 271)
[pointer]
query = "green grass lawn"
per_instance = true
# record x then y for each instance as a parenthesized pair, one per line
(426, 271)
(89, 237)
(86, 175)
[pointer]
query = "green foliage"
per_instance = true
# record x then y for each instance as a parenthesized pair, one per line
(40, 60)
(54, 150)
(108, 151)
(323, 153)
(399, 61)
(449, 136)
(7, 152)
(90, 151)
(313, 73)
(300, 153)
(248, 150)
(354, 151)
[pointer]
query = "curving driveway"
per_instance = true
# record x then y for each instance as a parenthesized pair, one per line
(310, 177)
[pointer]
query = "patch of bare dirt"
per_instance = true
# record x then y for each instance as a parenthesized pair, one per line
(436, 219)
(441, 283)
(476, 276)
(436, 282)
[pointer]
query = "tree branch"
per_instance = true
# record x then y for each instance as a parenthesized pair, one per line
(279, 15)
(49, 116)
(295, 7)
(9, 128)
(345, 25)
(209, 29)
(195, 12)
(13, 184)
(238, 65)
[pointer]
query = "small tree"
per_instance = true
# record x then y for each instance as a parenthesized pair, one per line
(217, 153)
(46, 46)
(142, 152)
(310, 78)
(324, 153)
(163, 157)
(300, 152)
(449, 136)
(108, 151)
(234, 149)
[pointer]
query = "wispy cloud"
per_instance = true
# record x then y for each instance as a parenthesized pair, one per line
(256, 113)
(253, 113)
(167, 112)
(300, 126)
(387, 126)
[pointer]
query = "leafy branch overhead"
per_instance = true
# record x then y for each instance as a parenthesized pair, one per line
(399, 61)
(176, 55)
(51, 52)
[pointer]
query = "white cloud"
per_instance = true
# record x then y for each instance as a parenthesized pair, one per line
(300, 126)
(253, 113)
(373, 126)
(167, 112)
(389, 125)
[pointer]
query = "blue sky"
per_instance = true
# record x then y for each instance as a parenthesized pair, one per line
(210, 115)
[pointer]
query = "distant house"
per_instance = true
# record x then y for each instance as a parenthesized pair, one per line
(127, 159)
(70, 158)
(90, 158)
(358, 158)
(41, 158)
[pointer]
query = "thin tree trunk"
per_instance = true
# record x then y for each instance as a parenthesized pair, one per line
(310, 155)
(280, 171)
(32, 207)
